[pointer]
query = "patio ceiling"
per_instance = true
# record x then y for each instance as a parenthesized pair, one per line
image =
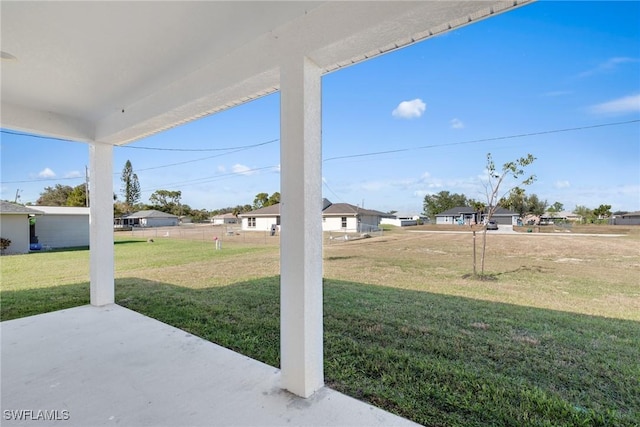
(115, 72)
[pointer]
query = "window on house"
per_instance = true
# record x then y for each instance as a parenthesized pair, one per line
(251, 222)
(344, 222)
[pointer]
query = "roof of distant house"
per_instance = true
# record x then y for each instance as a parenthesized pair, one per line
(151, 214)
(333, 209)
(64, 210)
(226, 215)
(14, 208)
(628, 214)
(459, 210)
(273, 210)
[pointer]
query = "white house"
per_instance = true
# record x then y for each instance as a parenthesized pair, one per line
(350, 218)
(465, 215)
(263, 219)
(15, 226)
(401, 220)
(62, 227)
(224, 219)
(335, 217)
(150, 218)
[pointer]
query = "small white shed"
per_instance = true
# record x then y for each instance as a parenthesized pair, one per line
(63, 227)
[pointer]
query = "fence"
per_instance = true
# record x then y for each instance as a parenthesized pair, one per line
(332, 237)
(224, 234)
(234, 235)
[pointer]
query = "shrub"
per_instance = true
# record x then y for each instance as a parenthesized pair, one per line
(4, 243)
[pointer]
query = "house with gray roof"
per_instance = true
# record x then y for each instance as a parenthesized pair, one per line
(224, 219)
(148, 218)
(335, 217)
(465, 215)
(629, 218)
(15, 225)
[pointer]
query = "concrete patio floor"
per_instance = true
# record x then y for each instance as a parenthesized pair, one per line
(100, 366)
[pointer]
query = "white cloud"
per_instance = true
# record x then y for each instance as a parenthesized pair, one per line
(561, 184)
(626, 104)
(46, 173)
(609, 65)
(242, 169)
(409, 109)
(73, 174)
(221, 169)
(456, 123)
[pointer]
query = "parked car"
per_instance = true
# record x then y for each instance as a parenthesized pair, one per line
(492, 225)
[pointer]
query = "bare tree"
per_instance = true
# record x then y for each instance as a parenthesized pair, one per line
(493, 192)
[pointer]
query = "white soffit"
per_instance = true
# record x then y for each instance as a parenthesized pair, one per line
(115, 72)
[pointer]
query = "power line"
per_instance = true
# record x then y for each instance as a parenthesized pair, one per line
(41, 180)
(332, 192)
(475, 141)
(31, 135)
(242, 147)
(209, 178)
(376, 153)
(189, 161)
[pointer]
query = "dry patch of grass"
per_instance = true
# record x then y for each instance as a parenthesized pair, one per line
(586, 274)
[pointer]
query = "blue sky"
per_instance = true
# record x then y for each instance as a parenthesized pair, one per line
(443, 104)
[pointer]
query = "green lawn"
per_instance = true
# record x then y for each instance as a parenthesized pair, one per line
(440, 360)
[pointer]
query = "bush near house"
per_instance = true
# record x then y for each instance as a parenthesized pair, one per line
(4, 244)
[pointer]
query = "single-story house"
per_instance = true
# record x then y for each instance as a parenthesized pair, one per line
(150, 218)
(402, 220)
(553, 217)
(15, 226)
(460, 215)
(224, 219)
(62, 227)
(335, 217)
(465, 215)
(263, 219)
(350, 218)
(630, 218)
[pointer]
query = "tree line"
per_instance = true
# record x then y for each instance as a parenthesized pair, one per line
(169, 201)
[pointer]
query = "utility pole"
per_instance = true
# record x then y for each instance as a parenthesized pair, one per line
(17, 196)
(86, 185)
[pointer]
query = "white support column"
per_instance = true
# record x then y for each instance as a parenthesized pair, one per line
(101, 262)
(301, 333)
